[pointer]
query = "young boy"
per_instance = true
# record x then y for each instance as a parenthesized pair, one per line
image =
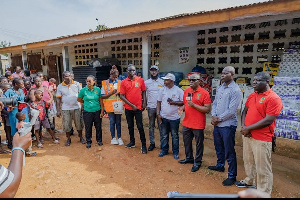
(2, 151)
(21, 117)
(42, 120)
(4, 115)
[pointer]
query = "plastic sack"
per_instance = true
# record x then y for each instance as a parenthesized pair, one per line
(118, 107)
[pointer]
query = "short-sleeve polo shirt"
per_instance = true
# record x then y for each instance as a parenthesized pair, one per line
(69, 94)
(91, 98)
(195, 119)
(259, 105)
(132, 89)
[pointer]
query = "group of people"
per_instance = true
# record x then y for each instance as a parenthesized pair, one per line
(165, 103)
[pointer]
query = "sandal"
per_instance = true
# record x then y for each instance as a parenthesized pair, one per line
(40, 145)
(31, 154)
(55, 141)
(4, 152)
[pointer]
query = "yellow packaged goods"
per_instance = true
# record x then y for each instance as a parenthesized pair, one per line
(184, 82)
(272, 69)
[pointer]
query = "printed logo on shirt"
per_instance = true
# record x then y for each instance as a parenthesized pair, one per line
(160, 86)
(198, 96)
(173, 96)
(262, 99)
(136, 84)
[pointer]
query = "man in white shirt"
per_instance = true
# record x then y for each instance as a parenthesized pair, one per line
(169, 99)
(66, 94)
(153, 85)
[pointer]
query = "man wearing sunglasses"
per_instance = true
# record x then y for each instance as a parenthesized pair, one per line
(169, 98)
(224, 119)
(197, 104)
(133, 93)
(153, 85)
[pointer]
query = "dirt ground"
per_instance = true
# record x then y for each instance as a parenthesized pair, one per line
(115, 171)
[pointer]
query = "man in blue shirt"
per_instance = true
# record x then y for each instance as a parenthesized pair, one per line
(224, 119)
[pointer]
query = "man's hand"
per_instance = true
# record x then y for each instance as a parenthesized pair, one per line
(144, 106)
(159, 117)
(23, 142)
(180, 110)
(134, 108)
(58, 114)
(215, 120)
(246, 132)
(10, 108)
(191, 104)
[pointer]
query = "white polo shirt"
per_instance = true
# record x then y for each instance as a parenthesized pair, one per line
(168, 111)
(152, 89)
(69, 94)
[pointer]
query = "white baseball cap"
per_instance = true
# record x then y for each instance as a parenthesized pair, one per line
(154, 67)
(169, 76)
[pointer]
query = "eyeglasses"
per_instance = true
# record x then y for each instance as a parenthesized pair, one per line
(132, 70)
(193, 80)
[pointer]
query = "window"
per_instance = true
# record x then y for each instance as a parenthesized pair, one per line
(262, 59)
(201, 41)
(124, 41)
(295, 32)
(281, 22)
(249, 36)
(236, 38)
(264, 24)
(250, 26)
(278, 46)
(237, 28)
(200, 60)
(224, 39)
(210, 61)
(129, 48)
(247, 70)
(136, 47)
(222, 49)
(201, 32)
(200, 51)
(211, 50)
(214, 30)
(156, 46)
(224, 29)
(212, 40)
(248, 48)
(248, 59)
(222, 60)
(296, 21)
(264, 35)
(235, 49)
(279, 34)
(262, 47)
(129, 41)
(234, 60)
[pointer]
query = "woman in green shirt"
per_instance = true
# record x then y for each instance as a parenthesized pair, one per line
(90, 97)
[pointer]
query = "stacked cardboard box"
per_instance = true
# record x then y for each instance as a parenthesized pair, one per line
(287, 86)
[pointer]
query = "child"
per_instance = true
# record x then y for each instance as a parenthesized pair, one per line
(52, 112)
(42, 120)
(2, 151)
(21, 117)
(52, 85)
(5, 118)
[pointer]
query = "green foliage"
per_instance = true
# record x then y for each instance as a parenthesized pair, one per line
(99, 28)
(4, 44)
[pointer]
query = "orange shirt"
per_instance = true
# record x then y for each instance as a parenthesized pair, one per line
(260, 105)
(132, 89)
(195, 119)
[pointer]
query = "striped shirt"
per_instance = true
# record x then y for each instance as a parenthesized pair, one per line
(226, 104)
(6, 177)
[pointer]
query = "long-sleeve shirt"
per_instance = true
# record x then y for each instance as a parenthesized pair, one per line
(226, 103)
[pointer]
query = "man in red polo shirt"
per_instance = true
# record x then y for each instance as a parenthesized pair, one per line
(133, 93)
(258, 124)
(197, 104)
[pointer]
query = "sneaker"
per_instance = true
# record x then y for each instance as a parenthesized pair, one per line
(242, 184)
(130, 145)
(33, 138)
(144, 149)
(68, 143)
(4, 142)
(162, 154)
(120, 141)
(176, 156)
(114, 141)
(151, 147)
(229, 182)
(219, 169)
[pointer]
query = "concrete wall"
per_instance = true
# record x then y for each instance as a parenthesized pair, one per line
(169, 52)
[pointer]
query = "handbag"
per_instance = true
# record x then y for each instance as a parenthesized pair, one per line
(118, 107)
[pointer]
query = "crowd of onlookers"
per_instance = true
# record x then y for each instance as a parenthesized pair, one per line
(165, 103)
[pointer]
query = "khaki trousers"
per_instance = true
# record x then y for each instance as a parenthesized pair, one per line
(257, 162)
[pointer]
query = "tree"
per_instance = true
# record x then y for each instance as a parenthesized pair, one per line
(100, 28)
(4, 44)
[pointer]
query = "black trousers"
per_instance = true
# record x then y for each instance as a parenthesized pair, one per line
(138, 115)
(188, 135)
(89, 119)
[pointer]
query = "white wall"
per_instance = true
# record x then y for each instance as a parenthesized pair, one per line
(169, 52)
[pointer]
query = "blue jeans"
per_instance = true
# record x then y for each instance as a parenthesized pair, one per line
(115, 121)
(224, 140)
(167, 126)
(152, 116)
